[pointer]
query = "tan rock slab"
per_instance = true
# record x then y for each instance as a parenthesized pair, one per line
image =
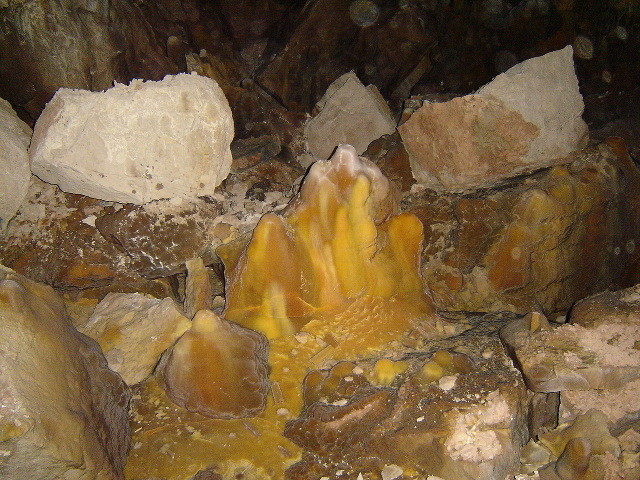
(14, 162)
(525, 119)
(133, 330)
(350, 113)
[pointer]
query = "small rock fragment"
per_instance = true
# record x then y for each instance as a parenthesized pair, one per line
(133, 330)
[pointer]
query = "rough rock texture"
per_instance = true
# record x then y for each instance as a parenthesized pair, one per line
(52, 240)
(63, 413)
(218, 369)
(576, 357)
(469, 424)
(539, 243)
(138, 142)
(14, 162)
(72, 241)
(618, 314)
(324, 41)
(133, 330)
(525, 119)
(161, 236)
(86, 45)
(349, 113)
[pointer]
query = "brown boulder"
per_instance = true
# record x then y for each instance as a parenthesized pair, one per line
(540, 242)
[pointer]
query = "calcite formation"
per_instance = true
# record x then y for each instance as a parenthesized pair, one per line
(469, 424)
(133, 330)
(338, 257)
(543, 242)
(14, 162)
(217, 369)
(63, 413)
(197, 291)
(138, 142)
(525, 119)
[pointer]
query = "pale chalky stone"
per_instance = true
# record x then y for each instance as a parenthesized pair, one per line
(526, 119)
(136, 143)
(350, 113)
(133, 330)
(14, 162)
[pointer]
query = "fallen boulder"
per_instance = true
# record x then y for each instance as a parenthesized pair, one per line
(349, 113)
(136, 143)
(14, 162)
(526, 119)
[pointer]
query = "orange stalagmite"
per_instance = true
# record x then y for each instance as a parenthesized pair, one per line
(334, 278)
(340, 247)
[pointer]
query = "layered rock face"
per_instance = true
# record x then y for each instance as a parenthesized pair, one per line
(137, 143)
(85, 47)
(63, 413)
(14, 162)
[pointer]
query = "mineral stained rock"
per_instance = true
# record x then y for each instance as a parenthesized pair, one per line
(159, 237)
(617, 313)
(63, 412)
(198, 293)
(468, 424)
(573, 356)
(217, 369)
(138, 142)
(539, 243)
(133, 330)
(338, 253)
(349, 113)
(525, 119)
(14, 162)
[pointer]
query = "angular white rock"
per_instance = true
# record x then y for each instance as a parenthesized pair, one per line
(14, 162)
(133, 330)
(136, 143)
(544, 90)
(526, 119)
(350, 113)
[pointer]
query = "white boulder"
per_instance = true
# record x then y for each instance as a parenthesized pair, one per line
(14, 162)
(136, 143)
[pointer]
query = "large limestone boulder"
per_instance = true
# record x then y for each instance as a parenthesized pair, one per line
(525, 119)
(14, 162)
(63, 413)
(138, 142)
